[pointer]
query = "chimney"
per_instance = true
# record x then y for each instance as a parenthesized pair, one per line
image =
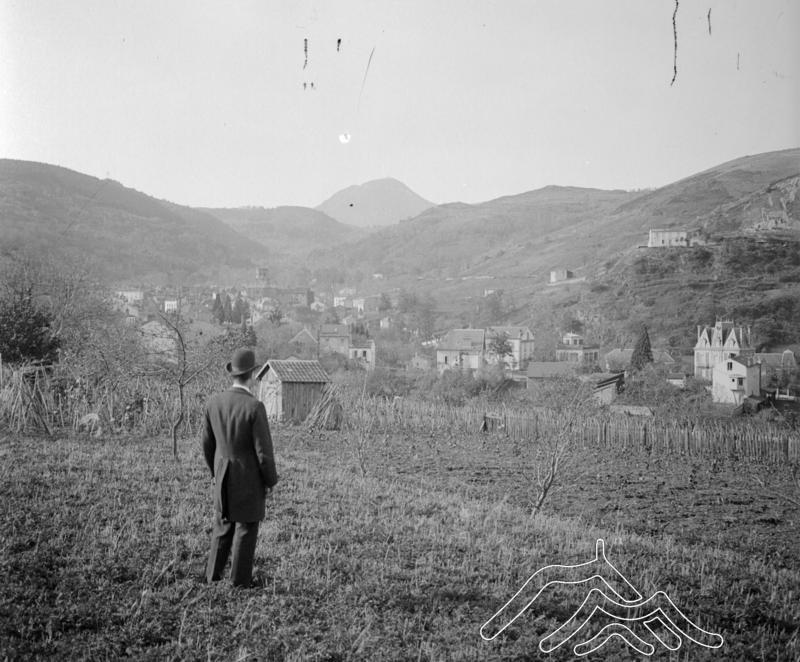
(699, 331)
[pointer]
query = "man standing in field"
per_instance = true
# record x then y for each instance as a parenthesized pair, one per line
(238, 450)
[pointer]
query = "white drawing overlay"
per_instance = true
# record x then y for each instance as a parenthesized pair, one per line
(643, 624)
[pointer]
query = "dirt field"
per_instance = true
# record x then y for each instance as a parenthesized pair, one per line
(106, 542)
(695, 500)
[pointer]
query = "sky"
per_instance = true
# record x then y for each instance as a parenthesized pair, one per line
(211, 103)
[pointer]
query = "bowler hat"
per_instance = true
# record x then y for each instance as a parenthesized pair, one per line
(243, 361)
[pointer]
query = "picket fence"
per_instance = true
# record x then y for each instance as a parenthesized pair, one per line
(735, 439)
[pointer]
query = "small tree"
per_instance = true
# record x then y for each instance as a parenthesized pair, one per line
(275, 316)
(249, 338)
(500, 347)
(187, 361)
(551, 454)
(25, 333)
(227, 309)
(217, 310)
(240, 312)
(642, 353)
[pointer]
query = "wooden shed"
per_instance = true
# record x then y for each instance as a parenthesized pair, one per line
(290, 388)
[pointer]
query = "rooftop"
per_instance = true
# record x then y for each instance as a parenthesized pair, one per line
(288, 370)
(546, 369)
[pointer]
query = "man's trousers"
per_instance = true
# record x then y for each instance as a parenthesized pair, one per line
(241, 537)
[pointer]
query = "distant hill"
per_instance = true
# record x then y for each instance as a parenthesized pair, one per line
(377, 203)
(458, 252)
(288, 231)
(701, 194)
(127, 234)
(510, 236)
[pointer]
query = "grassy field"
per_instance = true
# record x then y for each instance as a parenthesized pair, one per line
(397, 549)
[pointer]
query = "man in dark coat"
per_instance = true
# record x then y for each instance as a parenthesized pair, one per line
(238, 450)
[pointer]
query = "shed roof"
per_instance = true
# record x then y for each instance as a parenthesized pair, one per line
(304, 336)
(624, 356)
(295, 371)
(545, 369)
(334, 331)
(783, 359)
(510, 331)
(463, 339)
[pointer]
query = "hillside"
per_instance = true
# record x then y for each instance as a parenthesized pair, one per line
(288, 231)
(457, 252)
(512, 236)
(376, 203)
(748, 271)
(125, 233)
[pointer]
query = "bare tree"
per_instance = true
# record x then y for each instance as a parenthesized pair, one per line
(552, 451)
(183, 362)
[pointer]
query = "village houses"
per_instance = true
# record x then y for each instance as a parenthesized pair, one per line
(735, 379)
(573, 349)
(470, 349)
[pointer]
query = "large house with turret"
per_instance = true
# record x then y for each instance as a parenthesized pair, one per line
(717, 344)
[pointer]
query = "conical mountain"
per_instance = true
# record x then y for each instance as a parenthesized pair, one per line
(379, 202)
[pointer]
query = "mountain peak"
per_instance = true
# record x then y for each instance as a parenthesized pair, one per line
(378, 202)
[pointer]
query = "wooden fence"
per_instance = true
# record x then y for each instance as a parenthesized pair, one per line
(739, 438)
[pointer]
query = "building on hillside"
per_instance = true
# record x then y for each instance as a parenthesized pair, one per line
(420, 362)
(304, 343)
(334, 339)
(560, 275)
(777, 367)
(290, 388)
(132, 297)
(289, 297)
(719, 343)
(673, 238)
(170, 305)
(620, 359)
(363, 353)
(735, 378)
(573, 349)
(342, 302)
(521, 341)
(464, 349)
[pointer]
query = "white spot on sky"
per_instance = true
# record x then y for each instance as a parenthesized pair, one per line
(344, 138)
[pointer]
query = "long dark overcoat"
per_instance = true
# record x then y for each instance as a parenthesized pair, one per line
(238, 449)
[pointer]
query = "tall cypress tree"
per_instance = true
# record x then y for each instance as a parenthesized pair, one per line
(642, 353)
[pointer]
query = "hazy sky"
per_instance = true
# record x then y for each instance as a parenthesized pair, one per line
(203, 103)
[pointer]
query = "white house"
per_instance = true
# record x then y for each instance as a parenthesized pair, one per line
(363, 353)
(131, 296)
(573, 348)
(734, 379)
(461, 348)
(672, 238)
(170, 305)
(719, 343)
(520, 339)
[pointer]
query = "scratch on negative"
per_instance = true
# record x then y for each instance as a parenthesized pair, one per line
(709, 21)
(675, 49)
